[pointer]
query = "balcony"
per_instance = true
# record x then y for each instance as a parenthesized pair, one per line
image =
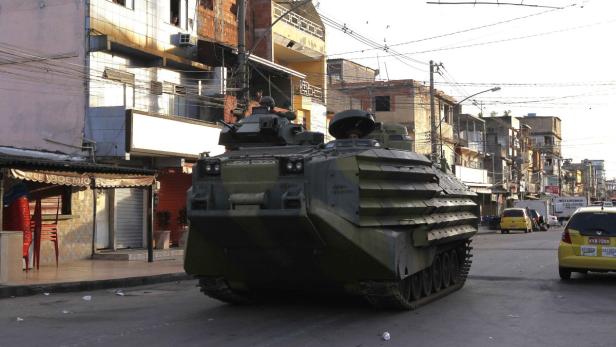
(295, 20)
(296, 38)
(306, 89)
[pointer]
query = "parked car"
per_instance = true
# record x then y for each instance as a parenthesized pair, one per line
(492, 222)
(516, 219)
(553, 221)
(539, 223)
(588, 242)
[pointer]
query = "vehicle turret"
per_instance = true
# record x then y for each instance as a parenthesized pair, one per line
(267, 127)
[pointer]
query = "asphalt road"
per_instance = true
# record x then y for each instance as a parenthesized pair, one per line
(513, 298)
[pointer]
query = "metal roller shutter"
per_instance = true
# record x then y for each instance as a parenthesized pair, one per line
(129, 218)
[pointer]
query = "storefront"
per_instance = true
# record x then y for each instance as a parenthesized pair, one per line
(171, 201)
(80, 207)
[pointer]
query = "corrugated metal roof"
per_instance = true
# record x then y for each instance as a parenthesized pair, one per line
(7, 161)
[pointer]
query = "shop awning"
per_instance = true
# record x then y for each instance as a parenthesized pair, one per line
(274, 66)
(85, 179)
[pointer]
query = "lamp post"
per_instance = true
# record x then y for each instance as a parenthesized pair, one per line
(440, 127)
(495, 89)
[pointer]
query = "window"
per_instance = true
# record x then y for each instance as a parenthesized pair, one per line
(382, 103)
(51, 198)
(207, 4)
(548, 140)
(125, 3)
(177, 105)
(447, 114)
(513, 213)
(175, 11)
(589, 223)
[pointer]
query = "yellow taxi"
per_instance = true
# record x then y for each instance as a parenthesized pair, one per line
(515, 219)
(588, 242)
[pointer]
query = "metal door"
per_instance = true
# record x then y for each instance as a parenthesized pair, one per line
(129, 218)
(103, 239)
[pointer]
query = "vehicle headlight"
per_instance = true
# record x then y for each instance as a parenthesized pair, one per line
(292, 166)
(210, 167)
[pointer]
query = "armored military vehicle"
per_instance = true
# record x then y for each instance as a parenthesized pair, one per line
(280, 210)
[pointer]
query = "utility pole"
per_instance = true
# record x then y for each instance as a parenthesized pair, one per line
(560, 184)
(433, 139)
(242, 54)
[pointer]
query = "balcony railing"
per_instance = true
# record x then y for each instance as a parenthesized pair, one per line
(299, 22)
(307, 89)
(469, 164)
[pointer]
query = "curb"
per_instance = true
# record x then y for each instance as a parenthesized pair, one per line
(67, 287)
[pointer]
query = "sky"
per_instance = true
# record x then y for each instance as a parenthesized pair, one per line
(548, 61)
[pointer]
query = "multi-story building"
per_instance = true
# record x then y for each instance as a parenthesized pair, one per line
(528, 186)
(405, 102)
(610, 186)
(469, 133)
(547, 138)
(586, 178)
(286, 59)
(573, 179)
(108, 82)
(148, 101)
(599, 167)
(343, 70)
(503, 157)
(141, 83)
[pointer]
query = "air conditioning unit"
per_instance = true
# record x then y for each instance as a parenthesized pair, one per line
(187, 40)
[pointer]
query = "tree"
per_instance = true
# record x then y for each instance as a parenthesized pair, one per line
(493, 114)
(507, 113)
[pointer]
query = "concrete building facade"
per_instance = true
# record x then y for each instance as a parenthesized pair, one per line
(405, 102)
(547, 139)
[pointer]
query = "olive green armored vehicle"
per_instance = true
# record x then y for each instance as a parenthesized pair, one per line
(282, 211)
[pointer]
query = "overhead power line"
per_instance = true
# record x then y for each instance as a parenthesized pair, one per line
(458, 32)
(498, 3)
(496, 41)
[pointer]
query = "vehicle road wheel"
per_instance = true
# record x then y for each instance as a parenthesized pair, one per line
(437, 274)
(426, 282)
(565, 274)
(446, 270)
(416, 286)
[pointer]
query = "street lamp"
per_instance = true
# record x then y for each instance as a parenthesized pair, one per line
(440, 123)
(495, 89)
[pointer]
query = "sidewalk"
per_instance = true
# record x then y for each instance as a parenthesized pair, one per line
(91, 275)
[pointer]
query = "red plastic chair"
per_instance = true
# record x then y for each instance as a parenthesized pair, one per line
(17, 217)
(44, 231)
